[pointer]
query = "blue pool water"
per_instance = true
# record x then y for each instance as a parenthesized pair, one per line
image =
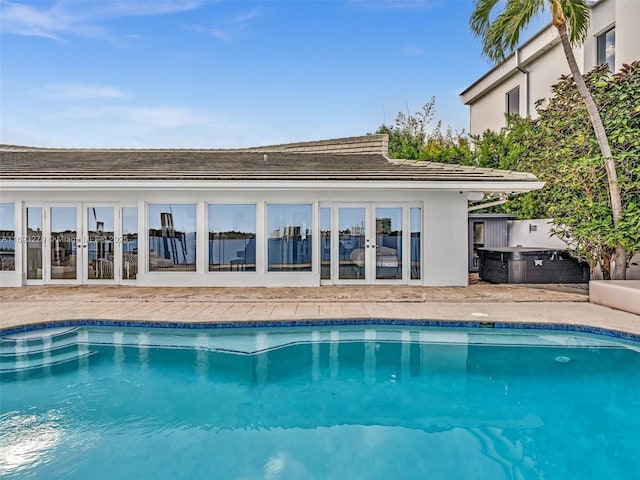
(318, 403)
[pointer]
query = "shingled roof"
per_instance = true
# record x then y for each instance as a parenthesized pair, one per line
(356, 158)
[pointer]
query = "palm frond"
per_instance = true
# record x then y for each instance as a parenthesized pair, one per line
(481, 16)
(502, 35)
(576, 13)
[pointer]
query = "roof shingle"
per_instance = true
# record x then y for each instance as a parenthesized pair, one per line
(357, 158)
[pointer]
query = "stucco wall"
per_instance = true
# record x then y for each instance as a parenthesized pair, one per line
(627, 31)
(544, 58)
(544, 72)
(446, 246)
(533, 233)
(444, 237)
(603, 16)
(488, 112)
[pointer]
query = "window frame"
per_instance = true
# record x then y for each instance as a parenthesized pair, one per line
(267, 238)
(601, 48)
(159, 269)
(508, 101)
(238, 264)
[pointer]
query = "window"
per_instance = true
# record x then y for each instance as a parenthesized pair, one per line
(389, 243)
(416, 230)
(289, 229)
(606, 49)
(64, 243)
(129, 243)
(325, 244)
(34, 243)
(172, 238)
(100, 243)
(232, 238)
(7, 237)
(513, 102)
(478, 242)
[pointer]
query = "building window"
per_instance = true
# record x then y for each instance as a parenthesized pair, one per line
(289, 247)
(64, 243)
(478, 242)
(232, 238)
(513, 102)
(416, 231)
(7, 237)
(34, 243)
(389, 256)
(606, 49)
(325, 244)
(129, 243)
(172, 238)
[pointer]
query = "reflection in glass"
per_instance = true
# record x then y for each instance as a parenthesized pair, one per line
(129, 243)
(478, 242)
(7, 237)
(606, 49)
(64, 253)
(325, 243)
(389, 243)
(416, 232)
(232, 238)
(351, 244)
(100, 245)
(34, 243)
(172, 238)
(289, 229)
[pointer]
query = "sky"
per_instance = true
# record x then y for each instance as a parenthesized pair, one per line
(227, 74)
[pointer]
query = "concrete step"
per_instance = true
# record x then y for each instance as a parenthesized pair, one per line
(40, 348)
(619, 294)
(48, 359)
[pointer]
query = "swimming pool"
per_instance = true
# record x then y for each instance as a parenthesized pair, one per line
(348, 402)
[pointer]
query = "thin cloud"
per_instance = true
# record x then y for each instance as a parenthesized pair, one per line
(216, 33)
(160, 117)
(245, 17)
(231, 28)
(73, 17)
(413, 51)
(80, 91)
(397, 4)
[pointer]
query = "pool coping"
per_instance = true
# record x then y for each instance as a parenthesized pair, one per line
(453, 324)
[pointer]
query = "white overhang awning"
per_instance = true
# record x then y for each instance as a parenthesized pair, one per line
(490, 189)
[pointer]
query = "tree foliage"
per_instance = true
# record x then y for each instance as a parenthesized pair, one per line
(561, 149)
(411, 138)
(501, 33)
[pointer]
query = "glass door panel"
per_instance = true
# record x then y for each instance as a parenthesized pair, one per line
(352, 253)
(64, 246)
(325, 243)
(34, 243)
(129, 243)
(100, 243)
(415, 247)
(389, 243)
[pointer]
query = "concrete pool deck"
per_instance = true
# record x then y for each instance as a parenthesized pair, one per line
(482, 302)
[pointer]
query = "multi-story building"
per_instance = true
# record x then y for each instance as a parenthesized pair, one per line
(526, 76)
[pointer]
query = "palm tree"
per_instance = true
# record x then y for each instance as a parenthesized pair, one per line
(500, 36)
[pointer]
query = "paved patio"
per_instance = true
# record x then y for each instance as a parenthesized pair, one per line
(566, 304)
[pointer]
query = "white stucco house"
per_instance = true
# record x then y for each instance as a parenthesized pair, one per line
(305, 214)
(526, 76)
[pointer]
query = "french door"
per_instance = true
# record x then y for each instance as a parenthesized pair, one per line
(72, 243)
(373, 243)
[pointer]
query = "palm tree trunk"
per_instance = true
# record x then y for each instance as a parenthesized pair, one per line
(620, 272)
